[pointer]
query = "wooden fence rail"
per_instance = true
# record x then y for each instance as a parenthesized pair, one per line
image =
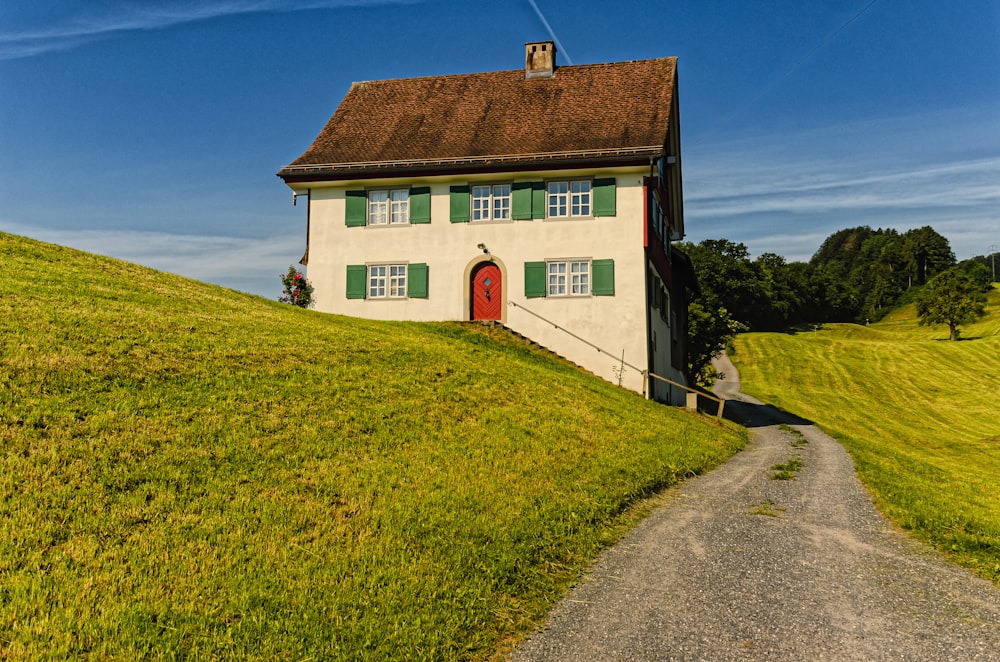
(693, 392)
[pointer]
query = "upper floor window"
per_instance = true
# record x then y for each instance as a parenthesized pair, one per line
(388, 207)
(568, 198)
(491, 202)
(570, 278)
(529, 200)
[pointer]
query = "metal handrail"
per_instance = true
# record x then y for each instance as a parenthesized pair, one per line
(645, 373)
(567, 331)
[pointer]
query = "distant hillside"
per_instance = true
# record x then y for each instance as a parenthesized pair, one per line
(191, 471)
(919, 415)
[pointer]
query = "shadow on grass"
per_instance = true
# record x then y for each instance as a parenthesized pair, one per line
(750, 414)
(753, 415)
(803, 328)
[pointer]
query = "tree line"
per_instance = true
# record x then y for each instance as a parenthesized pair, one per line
(857, 275)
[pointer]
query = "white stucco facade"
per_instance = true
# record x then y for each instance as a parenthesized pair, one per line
(617, 323)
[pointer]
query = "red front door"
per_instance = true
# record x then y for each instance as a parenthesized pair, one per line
(487, 299)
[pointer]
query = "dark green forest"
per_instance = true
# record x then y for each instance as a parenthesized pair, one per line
(857, 275)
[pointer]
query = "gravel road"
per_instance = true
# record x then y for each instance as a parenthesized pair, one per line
(737, 565)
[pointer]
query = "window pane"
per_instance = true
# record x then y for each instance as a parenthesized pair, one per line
(580, 198)
(397, 280)
(480, 203)
(558, 198)
(501, 208)
(376, 281)
(400, 202)
(377, 207)
(501, 201)
(557, 278)
(580, 283)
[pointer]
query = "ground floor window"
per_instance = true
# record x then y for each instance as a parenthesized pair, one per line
(569, 278)
(386, 281)
(405, 280)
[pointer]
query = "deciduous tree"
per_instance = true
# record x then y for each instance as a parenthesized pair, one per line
(709, 331)
(929, 253)
(953, 298)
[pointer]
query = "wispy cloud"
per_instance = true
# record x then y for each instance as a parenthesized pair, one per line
(799, 187)
(246, 264)
(100, 22)
(785, 194)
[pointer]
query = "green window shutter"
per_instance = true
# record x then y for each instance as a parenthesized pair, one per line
(416, 281)
(357, 208)
(534, 279)
(604, 197)
(520, 193)
(603, 277)
(459, 204)
(420, 204)
(537, 199)
(357, 275)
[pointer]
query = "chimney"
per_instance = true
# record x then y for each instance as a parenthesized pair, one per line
(539, 59)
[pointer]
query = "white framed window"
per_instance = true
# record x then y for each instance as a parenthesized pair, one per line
(579, 198)
(568, 278)
(569, 198)
(387, 281)
(389, 207)
(491, 202)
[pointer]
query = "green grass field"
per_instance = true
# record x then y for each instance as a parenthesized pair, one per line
(190, 472)
(919, 414)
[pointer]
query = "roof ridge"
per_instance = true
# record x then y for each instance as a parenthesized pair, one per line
(513, 71)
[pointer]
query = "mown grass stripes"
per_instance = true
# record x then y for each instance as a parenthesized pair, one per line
(919, 415)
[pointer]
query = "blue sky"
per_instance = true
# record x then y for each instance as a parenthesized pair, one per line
(151, 130)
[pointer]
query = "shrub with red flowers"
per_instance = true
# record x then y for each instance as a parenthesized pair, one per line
(298, 291)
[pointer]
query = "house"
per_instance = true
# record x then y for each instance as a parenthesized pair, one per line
(544, 198)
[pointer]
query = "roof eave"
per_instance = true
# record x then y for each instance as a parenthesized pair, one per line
(427, 167)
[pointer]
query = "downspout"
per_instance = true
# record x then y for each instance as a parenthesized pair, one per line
(305, 256)
(647, 385)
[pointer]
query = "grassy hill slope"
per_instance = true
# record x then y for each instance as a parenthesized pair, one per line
(919, 414)
(190, 471)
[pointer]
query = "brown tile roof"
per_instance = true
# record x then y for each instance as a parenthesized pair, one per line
(583, 111)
